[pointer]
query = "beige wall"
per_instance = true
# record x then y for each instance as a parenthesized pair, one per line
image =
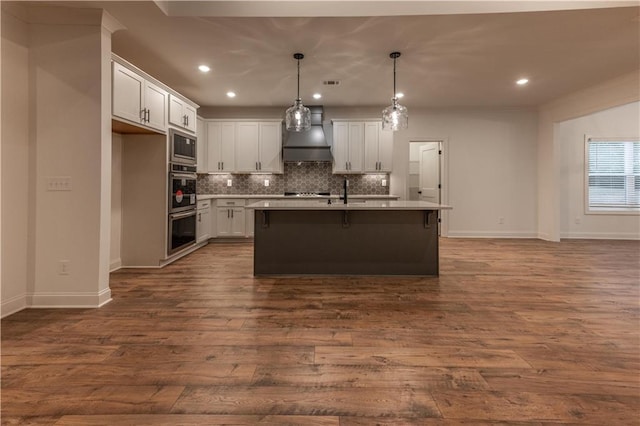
(619, 91)
(59, 124)
(622, 122)
(115, 259)
(15, 162)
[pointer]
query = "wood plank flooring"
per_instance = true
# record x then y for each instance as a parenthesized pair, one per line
(512, 332)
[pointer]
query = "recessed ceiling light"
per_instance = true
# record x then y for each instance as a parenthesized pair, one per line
(204, 68)
(317, 96)
(399, 95)
(231, 94)
(522, 81)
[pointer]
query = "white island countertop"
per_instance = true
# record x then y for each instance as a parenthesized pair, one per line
(339, 205)
(289, 197)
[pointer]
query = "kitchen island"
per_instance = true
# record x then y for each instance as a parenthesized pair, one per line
(313, 237)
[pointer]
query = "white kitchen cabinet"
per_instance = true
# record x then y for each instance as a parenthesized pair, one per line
(259, 147)
(348, 147)
(138, 100)
(230, 218)
(201, 146)
(378, 148)
(182, 114)
(247, 142)
(203, 221)
(250, 214)
(221, 150)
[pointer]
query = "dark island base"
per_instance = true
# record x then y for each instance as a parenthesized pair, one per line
(360, 242)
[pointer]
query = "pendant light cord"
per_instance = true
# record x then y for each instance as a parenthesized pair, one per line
(298, 78)
(394, 78)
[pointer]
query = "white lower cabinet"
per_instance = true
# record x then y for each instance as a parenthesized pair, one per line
(203, 221)
(230, 218)
(251, 213)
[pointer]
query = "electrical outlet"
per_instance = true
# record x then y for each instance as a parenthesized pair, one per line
(384, 182)
(64, 267)
(501, 220)
(266, 182)
(229, 182)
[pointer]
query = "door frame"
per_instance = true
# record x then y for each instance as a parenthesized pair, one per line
(444, 178)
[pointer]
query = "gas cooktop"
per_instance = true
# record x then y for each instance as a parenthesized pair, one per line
(307, 194)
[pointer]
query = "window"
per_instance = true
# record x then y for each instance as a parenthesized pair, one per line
(613, 174)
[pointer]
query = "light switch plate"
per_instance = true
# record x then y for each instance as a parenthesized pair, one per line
(266, 182)
(384, 182)
(59, 183)
(229, 182)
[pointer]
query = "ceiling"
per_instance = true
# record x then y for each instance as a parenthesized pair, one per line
(460, 53)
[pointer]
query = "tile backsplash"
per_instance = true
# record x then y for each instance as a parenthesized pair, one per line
(297, 177)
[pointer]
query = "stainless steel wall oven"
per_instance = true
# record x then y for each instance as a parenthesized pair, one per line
(182, 207)
(182, 230)
(182, 188)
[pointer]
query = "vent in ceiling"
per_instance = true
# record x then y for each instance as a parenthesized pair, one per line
(331, 82)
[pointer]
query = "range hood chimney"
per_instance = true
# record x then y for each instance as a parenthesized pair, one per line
(310, 145)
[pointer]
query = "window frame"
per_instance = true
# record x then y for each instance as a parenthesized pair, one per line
(606, 210)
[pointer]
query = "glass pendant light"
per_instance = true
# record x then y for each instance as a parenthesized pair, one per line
(298, 116)
(395, 116)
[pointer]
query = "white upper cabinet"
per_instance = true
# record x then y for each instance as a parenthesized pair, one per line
(270, 147)
(244, 146)
(138, 100)
(378, 148)
(201, 146)
(247, 145)
(361, 147)
(182, 114)
(221, 151)
(348, 147)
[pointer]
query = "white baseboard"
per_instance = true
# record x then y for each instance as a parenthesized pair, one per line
(115, 265)
(69, 300)
(13, 305)
(491, 234)
(600, 235)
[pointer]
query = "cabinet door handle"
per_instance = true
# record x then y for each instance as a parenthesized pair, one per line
(148, 115)
(143, 114)
(222, 165)
(260, 164)
(199, 217)
(231, 214)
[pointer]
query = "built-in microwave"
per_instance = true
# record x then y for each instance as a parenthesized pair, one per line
(183, 147)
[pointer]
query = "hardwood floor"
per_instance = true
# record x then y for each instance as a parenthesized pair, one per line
(512, 332)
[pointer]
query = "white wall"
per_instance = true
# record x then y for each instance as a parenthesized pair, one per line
(490, 168)
(15, 162)
(116, 202)
(618, 91)
(622, 121)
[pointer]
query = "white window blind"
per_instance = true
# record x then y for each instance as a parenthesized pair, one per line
(613, 173)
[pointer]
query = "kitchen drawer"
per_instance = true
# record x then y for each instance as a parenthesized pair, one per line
(225, 202)
(204, 204)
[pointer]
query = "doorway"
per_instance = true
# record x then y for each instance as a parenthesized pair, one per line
(425, 181)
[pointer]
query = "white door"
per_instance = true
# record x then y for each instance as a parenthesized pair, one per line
(430, 172)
